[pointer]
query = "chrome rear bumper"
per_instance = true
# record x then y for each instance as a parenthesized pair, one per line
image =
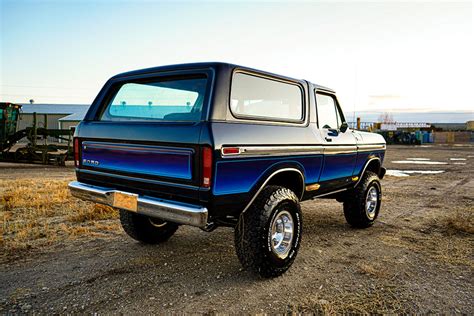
(177, 212)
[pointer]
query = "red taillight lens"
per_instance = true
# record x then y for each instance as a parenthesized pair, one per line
(206, 167)
(76, 152)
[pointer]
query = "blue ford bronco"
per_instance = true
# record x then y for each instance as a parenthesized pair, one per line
(215, 144)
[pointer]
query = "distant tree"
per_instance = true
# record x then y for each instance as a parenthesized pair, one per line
(386, 118)
(32, 101)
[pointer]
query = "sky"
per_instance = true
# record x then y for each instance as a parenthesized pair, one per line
(378, 56)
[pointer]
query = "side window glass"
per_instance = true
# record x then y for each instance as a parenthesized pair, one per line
(255, 97)
(328, 116)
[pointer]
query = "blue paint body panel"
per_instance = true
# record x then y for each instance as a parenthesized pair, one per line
(142, 159)
(363, 157)
(338, 166)
(240, 175)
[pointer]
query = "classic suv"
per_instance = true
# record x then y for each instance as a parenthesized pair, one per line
(214, 144)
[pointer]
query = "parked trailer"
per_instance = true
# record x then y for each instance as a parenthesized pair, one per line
(37, 148)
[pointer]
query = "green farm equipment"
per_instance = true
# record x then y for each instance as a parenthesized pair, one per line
(37, 148)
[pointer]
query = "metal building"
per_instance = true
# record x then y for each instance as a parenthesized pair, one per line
(48, 115)
(71, 121)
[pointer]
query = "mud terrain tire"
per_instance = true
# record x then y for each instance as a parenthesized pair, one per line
(355, 204)
(254, 242)
(146, 229)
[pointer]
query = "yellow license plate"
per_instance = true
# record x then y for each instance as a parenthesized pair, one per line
(127, 201)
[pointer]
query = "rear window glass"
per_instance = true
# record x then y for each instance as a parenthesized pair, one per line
(163, 100)
(261, 98)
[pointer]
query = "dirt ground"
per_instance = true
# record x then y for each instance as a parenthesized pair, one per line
(417, 258)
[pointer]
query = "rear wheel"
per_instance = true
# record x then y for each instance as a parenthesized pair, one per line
(362, 205)
(268, 235)
(146, 229)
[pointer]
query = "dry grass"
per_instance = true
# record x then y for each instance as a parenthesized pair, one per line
(42, 212)
(461, 221)
(94, 213)
(373, 269)
(454, 249)
(382, 298)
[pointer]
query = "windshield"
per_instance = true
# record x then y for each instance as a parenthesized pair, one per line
(161, 100)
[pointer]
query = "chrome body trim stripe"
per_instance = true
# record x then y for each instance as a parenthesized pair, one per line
(269, 178)
(177, 212)
(259, 151)
(252, 151)
(343, 149)
(371, 147)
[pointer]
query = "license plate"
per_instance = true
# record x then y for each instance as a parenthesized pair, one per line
(126, 201)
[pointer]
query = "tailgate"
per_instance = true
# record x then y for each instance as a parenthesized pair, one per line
(149, 159)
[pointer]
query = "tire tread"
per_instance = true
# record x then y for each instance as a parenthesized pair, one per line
(249, 240)
(354, 204)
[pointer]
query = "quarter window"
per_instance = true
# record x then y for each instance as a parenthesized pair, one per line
(260, 98)
(328, 116)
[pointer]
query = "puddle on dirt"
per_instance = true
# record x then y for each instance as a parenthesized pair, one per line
(406, 173)
(420, 162)
(457, 158)
(419, 159)
(459, 163)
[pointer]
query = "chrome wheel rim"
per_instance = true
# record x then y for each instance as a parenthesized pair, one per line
(371, 202)
(157, 222)
(281, 234)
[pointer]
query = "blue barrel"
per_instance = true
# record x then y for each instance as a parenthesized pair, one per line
(419, 136)
(426, 137)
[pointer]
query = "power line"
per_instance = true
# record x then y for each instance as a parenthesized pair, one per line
(44, 87)
(43, 96)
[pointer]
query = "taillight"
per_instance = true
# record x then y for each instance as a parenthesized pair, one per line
(76, 152)
(206, 166)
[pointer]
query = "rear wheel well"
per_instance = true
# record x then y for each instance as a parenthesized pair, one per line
(289, 179)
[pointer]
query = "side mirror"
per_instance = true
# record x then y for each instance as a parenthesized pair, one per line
(344, 127)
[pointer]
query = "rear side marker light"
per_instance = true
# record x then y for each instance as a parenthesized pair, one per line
(230, 151)
(206, 167)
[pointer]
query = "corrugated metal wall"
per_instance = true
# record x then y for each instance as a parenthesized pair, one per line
(26, 120)
(453, 137)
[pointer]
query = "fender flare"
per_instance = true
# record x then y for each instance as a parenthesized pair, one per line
(274, 173)
(365, 167)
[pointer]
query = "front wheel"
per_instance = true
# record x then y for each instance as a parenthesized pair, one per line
(268, 235)
(362, 205)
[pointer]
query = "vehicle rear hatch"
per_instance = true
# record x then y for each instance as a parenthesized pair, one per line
(144, 135)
